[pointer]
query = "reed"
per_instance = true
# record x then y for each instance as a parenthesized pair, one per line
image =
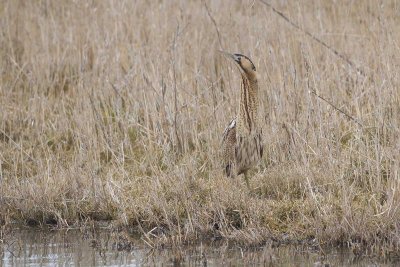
(114, 110)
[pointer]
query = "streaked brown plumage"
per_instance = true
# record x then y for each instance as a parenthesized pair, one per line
(242, 139)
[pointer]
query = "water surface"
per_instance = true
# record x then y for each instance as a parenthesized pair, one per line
(27, 247)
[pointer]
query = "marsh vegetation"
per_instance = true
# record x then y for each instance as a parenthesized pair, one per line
(114, 110)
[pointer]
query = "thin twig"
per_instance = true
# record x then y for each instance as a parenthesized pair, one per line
(17, 145)
(314, 92)
(115, 89)
(175, 88)
(313, 37)
(215, 24)
(336, 108)
(98, 117)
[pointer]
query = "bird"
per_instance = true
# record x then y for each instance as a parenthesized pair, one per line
(242, 144)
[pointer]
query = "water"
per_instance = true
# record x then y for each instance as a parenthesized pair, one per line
(103, 248)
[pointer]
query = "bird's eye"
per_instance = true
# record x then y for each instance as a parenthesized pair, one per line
(237, 58)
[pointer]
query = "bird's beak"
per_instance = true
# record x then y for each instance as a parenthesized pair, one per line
(229, 55)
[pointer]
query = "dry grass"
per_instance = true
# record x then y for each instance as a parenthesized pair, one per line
(115, 110)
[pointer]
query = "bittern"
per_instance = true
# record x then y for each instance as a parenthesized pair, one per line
(242, 139)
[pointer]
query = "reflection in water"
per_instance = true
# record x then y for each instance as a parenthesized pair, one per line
(103, 248)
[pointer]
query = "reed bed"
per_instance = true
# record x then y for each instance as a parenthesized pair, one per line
(114, 110)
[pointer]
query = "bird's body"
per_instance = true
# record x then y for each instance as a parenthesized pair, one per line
(242, 140)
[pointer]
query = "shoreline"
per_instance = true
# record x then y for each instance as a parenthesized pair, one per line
(132, 237)
(89, 247)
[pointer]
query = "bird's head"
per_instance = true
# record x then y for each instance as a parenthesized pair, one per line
(244, 63)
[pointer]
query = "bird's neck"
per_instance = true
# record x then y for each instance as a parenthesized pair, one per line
(249, 105)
